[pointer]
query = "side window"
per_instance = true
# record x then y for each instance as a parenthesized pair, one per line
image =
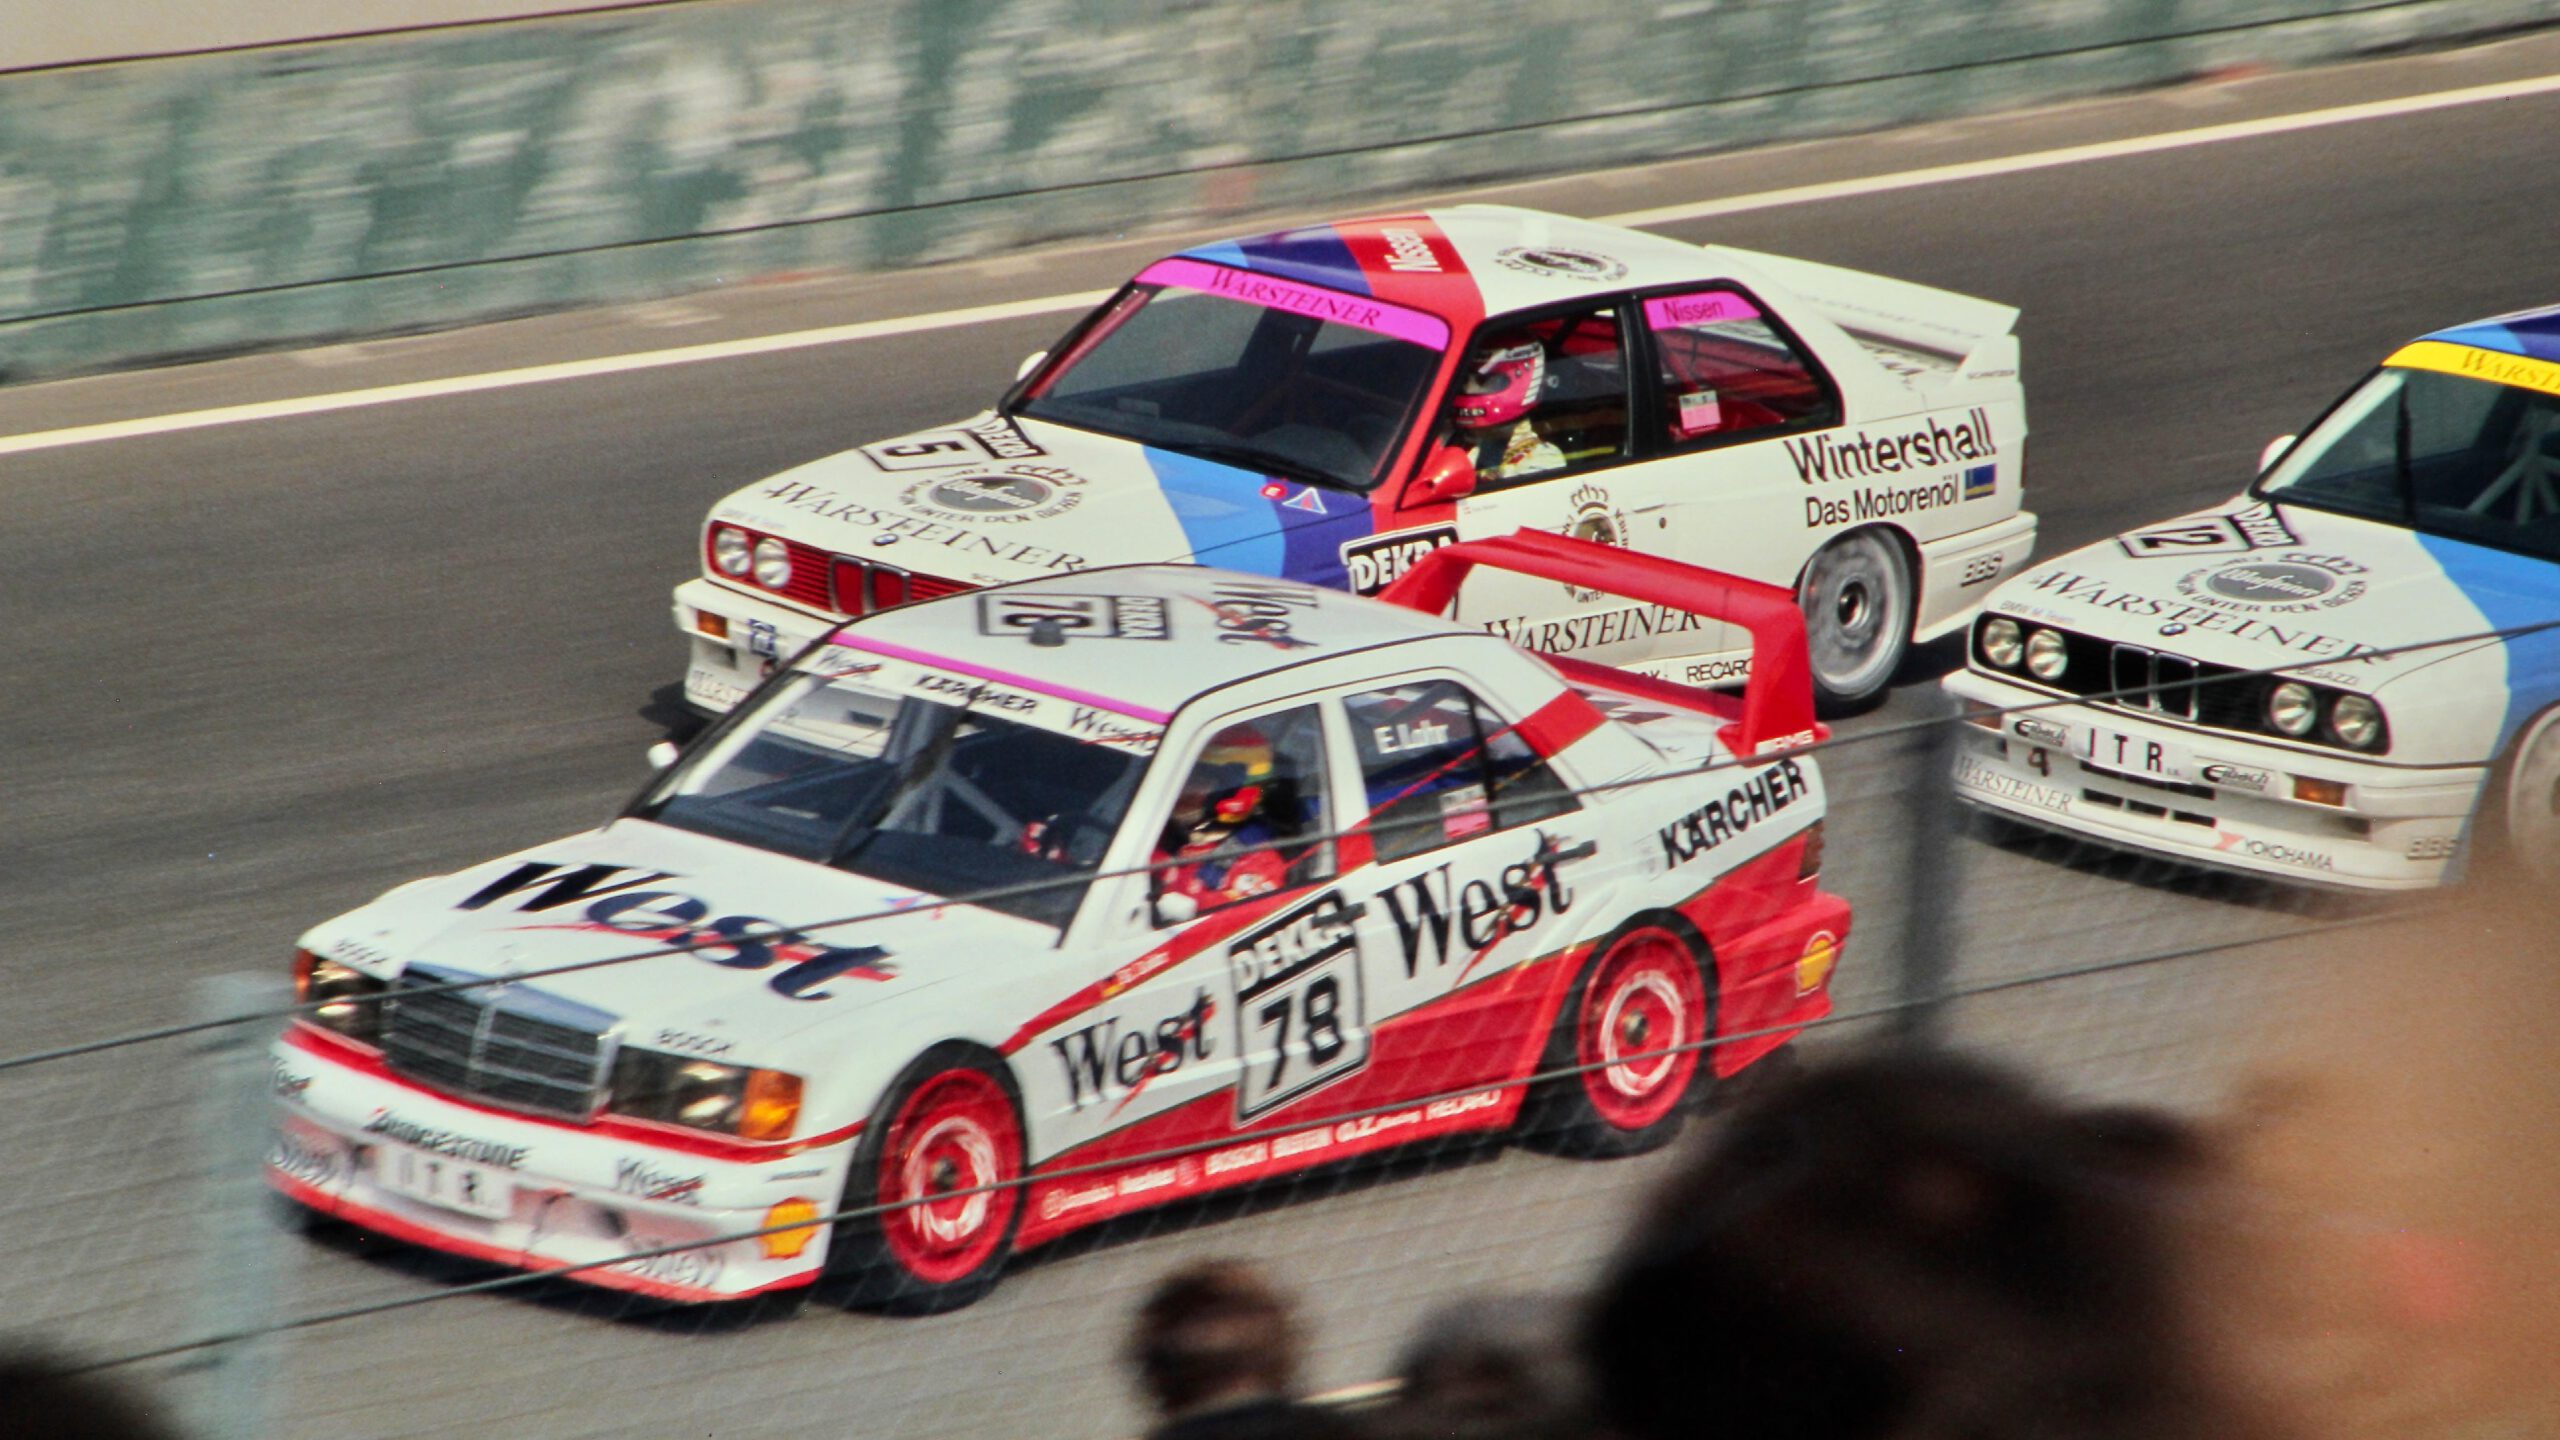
(1439, 768)
(1250, 817)
(1724, 370)
(1543, 397)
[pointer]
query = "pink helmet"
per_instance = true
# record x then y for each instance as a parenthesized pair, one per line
(1501, 382)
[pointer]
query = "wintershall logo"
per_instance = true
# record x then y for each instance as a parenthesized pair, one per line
(1820, 459)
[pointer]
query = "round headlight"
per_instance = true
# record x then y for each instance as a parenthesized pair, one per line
(2356, 721)
(773, 563)
(729, 550)
(2047, 656)
(2001, 642)
(2291, 709)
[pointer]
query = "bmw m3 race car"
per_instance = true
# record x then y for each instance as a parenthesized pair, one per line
(996, 916)
(1326, 404)
(2367, 568)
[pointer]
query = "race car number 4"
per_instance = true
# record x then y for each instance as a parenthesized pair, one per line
(444, 1183)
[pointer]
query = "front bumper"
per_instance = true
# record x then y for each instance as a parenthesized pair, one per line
(2207, 796)
(761, 634)
(365, 1146)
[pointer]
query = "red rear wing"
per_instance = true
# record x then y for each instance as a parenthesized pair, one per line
(1776, 712)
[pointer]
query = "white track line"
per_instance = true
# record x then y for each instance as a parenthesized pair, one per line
(1053, 304)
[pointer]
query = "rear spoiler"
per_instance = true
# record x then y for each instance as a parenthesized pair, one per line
(1900, 312)
(1776, 710)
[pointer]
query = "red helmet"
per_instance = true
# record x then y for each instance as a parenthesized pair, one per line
(1501, 381)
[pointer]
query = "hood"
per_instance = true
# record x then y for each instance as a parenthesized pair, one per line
(991, 500)
(635, 887)
(2254, 585)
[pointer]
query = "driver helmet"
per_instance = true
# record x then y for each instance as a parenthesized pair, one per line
(1501, 381)
(1225, 787)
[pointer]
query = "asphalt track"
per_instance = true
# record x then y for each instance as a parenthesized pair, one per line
(262, 670)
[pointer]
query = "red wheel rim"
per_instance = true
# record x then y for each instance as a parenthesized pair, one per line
(955, 1135)
(1642, 1018)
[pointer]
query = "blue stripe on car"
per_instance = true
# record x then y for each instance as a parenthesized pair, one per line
(1230, 522)
(2510, 590)
(1317, 255)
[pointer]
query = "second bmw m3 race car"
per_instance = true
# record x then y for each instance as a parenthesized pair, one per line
(995, 916)
(2391, 566)
(1328, 403)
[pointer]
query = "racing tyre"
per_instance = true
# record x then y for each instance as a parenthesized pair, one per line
(1858, 602)
(2528, 803)
(1624, 1060)
(950, 1129)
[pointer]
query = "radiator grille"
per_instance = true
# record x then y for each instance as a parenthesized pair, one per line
(514, 1047)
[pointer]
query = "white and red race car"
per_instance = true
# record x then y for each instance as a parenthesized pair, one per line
(1324, 404)
(995, 916)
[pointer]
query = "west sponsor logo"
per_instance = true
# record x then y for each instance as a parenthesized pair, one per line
(1481, 912)
(284, 1083)
(2095, 593)
(1376, 562)
(1103, 1061)
(891, 528)
(292, 1155)
(1733, 813)
(1260, 614)
(435, 1140)
(733, 942)
(1605, 627)
(689, 1269)
(644, 1180)
(2295, 582)
(1879, 503)
(1820, 459)
(2258, 527)
(1055, 619)
(1110, 729)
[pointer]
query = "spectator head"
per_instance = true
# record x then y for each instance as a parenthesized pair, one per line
(42, 1397)
(1908, 1246)
(1214, 1333)
(1486, 1368)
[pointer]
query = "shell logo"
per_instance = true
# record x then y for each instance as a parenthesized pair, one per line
(1813, 967)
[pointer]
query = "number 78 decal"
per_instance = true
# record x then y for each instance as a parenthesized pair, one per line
(1299, 1030)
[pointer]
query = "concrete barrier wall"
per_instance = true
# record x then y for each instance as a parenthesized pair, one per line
(196, 204)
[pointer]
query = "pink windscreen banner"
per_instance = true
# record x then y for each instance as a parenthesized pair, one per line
(1358, 311)
(1672, 311)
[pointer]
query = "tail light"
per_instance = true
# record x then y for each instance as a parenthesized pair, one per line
(1809, 860)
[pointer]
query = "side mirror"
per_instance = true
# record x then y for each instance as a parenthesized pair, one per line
(2274, 452)
(1176, 909)
(663, 754)
(1029, 363)
(1448, 474)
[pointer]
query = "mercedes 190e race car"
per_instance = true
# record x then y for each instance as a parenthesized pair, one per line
(999, 915)
(2367, 568)
(1326, 404)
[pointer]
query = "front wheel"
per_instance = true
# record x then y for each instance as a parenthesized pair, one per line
(1626, 1049)
(943, 1163)
(1858, 603)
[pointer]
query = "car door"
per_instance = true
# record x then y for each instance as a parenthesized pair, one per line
(1560, 465)
(1736, 407)
(1474, 838)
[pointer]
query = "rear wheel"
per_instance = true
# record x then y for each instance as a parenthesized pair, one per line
(1858, 602)
(1627, 1049)
(944, 1162)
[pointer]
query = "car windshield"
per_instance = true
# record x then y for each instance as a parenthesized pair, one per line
(954, 794)
(1246, 369)
(2437, 452)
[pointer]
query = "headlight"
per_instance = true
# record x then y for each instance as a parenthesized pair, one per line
(773, 563)
(349, 1001)
(729, 550)
(2292, 709)
(705, 1095)
(2001, 642)
(2047, 655)
(2356, 721)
